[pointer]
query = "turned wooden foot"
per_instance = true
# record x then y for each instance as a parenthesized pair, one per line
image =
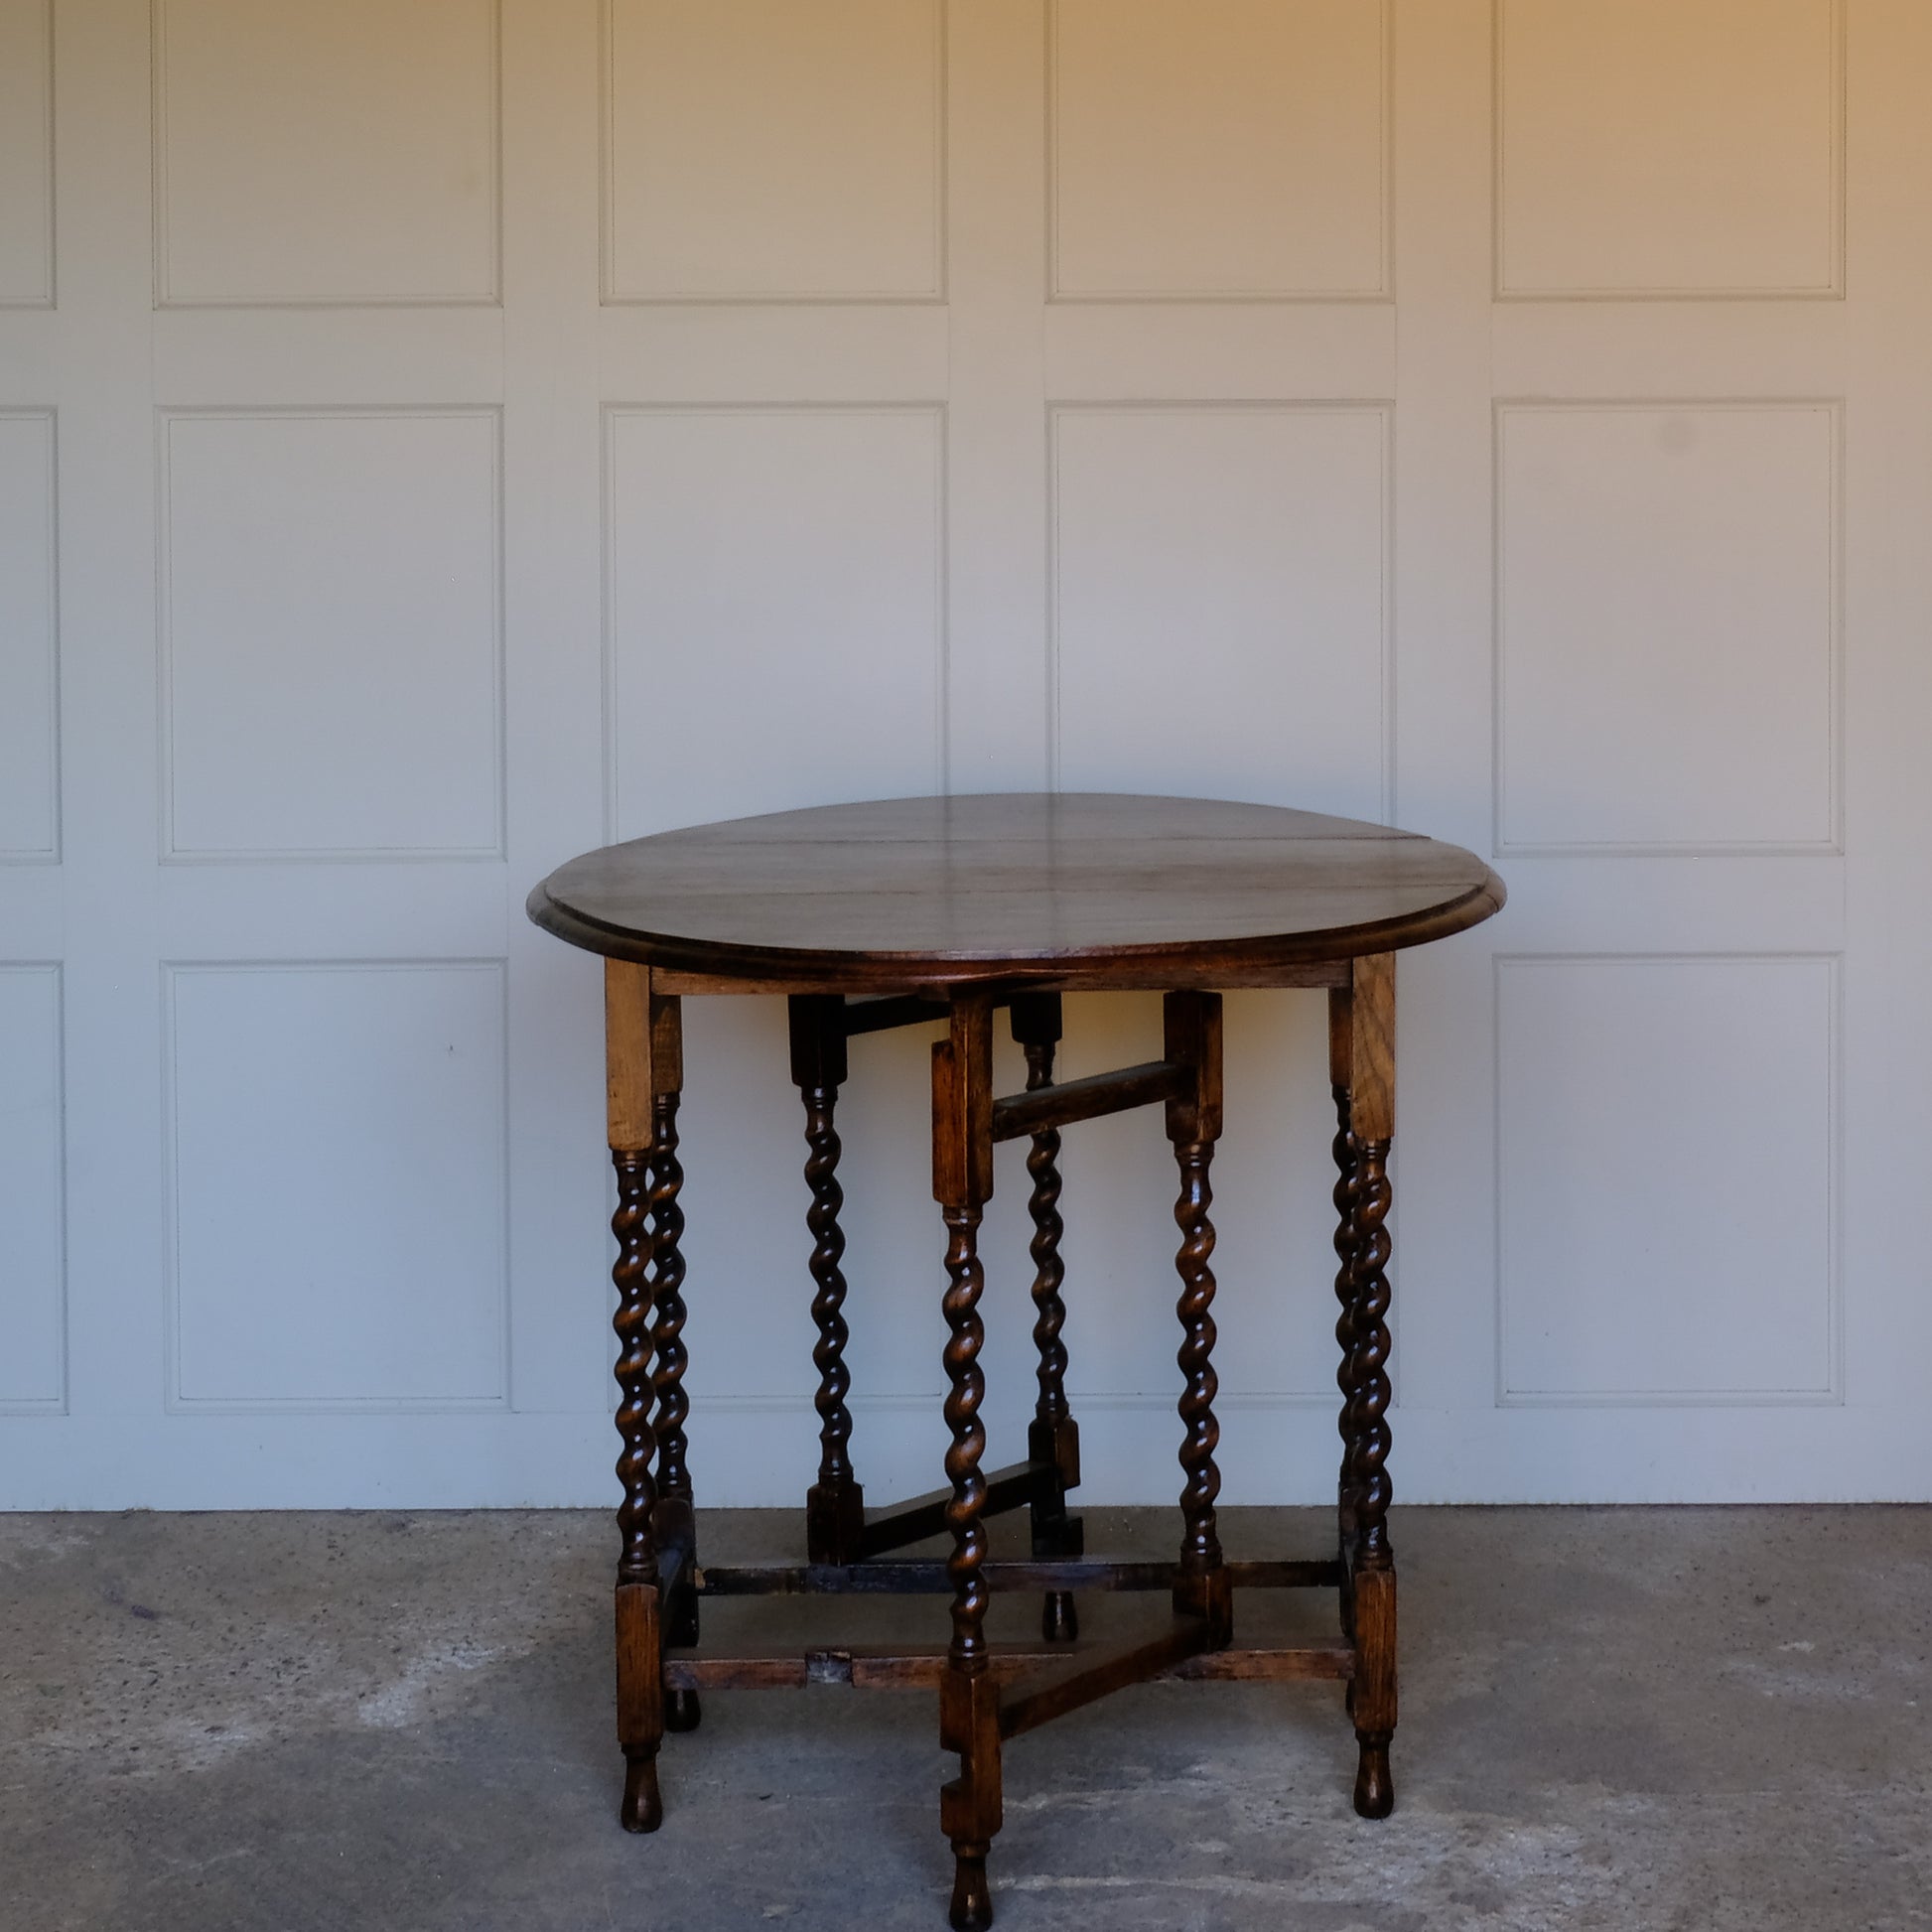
(682, 1711)
(1060, 1621)
(971, 1806)
(972, 1896)
(640, 1704)
(1374, 1787)
(1372, 1690)
(644, 1805)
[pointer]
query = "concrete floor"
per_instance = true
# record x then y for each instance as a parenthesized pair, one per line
(1696, 1719)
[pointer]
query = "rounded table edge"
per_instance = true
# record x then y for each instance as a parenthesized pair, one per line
(1189, 962)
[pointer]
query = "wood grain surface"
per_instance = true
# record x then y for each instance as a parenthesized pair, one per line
(1083, 888)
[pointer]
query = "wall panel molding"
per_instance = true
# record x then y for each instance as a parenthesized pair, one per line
(28, 272)
(30, 641)
(1380, 736)
(458, 703)
(814, 223)
(1705, 1234)
(1137, 170)
(267, 1280)
(1730, 25)
(809, 733)
(1690, 702)
(338, 186)
(32, 1191)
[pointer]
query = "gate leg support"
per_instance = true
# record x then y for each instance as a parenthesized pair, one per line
(835, 1505)
(678, 1611)
(644, 1073)
(1362, 1040)
(1054, 1437)
(1194, 1041)
(1348, 1191)
(969, 1710)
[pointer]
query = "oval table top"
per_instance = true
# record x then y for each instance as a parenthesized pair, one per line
(1048, 888)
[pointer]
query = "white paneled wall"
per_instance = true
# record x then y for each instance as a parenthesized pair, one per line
(818, 132)
(26, 154)
(341, 154)
(30, 747)
(439, 438)
(1647, 148)
(1219, 152)
(396, 1291)
(1244, 546)
(1667, 589)
(329, 633)
(33, 1313)
(1643, 1307)
(796, 553)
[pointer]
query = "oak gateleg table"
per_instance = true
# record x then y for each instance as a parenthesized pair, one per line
(908, 911)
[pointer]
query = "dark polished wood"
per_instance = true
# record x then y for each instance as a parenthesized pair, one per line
(1052, 1437)
(1370, 1431)
(1069, 1687)
(641, 1705)
(1042, 1109)
(1192, 1023)
(644, 1060)
(888, 1011)
(962, 1183)
(1361, 1041)
(1203, 975)
(1372, 1698)
(924, 1576)
(912, 1521)
(667, 1299)
(911, 913)
(1348, 1183)
(638, 1552)
(680, 1604)
(835, 1506)
(970, 1806)
(1050, 889)
(888, 1667)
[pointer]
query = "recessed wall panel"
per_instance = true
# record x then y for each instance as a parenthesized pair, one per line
(1219, 603)
(345, 153)
(758, 150)
(26, 153)
(1668, 1175)
(29, 682)
(1667, 627)
(338, 1137)
(1219, 149)
(1669, 146)
(33, 1294)
(329, 631)
(776, 626)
